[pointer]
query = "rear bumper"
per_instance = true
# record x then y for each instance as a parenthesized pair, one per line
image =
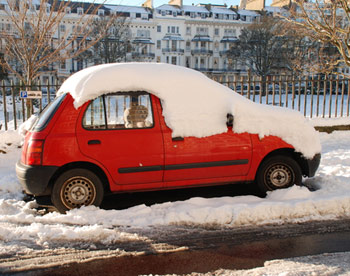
(313, 164)
(35, 179)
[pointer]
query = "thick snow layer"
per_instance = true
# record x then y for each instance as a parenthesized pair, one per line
(330, 121)
(194, 105)
(333, 264)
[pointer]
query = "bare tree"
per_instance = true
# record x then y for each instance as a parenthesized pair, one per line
(38, 38)
(303, 54)
(325, 21)
(115, 43)
(3, 72)
(259, 47)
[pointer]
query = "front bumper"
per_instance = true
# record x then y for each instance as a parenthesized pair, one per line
(35, 179)
(313, 164)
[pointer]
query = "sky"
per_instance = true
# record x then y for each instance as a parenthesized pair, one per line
(157, 3)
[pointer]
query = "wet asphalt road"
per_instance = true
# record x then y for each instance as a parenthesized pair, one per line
(182, 250)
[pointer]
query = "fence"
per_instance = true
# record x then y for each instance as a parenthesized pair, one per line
(14, 109)
(321, 96)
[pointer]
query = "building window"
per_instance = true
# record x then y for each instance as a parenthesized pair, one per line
(159, 44)
(173, 60)
(188, 62)
(202, 31)
(159, 29)
(101, 12)
(188, 30)
(216, 46)
(63, 65)
(188, 45)
(143, 33)
(229, 32)
(216, 31)
(62, 28)
(80, 11)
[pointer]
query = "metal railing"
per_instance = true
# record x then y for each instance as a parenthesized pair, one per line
(313, 96)
(14, 110)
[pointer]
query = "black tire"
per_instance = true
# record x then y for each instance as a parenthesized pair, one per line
(76, 188)
(278, 172)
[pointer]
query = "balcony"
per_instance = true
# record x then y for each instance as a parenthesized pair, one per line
(142, 55)
(201, 52)
(173, 50)
(224, 52)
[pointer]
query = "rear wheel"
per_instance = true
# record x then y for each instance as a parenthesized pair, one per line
(76, 188)
(278, 172)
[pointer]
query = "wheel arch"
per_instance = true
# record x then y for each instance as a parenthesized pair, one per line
(297, 156)
(81, 165)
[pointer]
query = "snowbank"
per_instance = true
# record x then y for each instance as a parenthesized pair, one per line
(193, 105)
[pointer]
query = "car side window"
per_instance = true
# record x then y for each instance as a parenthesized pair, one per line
(94, 117)
(132, 110)
(119, 111)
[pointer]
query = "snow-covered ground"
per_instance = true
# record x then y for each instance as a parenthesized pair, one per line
(23, 229)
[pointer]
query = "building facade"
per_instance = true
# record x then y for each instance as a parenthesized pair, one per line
(197, 37)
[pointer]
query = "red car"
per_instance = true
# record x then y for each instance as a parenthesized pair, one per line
(120, 142)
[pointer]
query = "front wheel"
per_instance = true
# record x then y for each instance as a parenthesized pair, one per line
(278, 172)
(76, 188)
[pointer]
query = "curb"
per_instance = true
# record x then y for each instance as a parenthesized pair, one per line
(330, 129)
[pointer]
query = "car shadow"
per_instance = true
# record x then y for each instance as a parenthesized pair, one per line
(127, 200)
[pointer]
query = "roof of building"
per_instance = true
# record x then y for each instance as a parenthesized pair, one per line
(167, 7)
(124, 8)
(247, 12)
(188, 8)
(220, 10)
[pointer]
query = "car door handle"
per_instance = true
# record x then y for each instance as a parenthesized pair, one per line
(178, 138)
(94, 142)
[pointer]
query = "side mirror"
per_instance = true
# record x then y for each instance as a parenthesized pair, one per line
(229, 121)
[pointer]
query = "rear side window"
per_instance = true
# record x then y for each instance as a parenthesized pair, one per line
(94, 117)
(119, 111)
(47, 113)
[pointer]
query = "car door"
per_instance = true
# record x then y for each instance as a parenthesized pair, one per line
(119, 131)
(218, 156)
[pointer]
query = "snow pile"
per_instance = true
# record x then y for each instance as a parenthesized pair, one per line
(334, 264)
(330, 121)
(10, 142)
(193, 105)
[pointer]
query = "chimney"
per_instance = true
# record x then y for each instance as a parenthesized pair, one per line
(148, 4)
(176, 3)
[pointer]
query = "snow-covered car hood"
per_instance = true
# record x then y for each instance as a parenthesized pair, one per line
(194, 105)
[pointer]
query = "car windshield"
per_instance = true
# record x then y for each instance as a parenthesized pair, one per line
(47, 113)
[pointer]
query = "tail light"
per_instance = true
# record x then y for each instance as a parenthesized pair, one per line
(32, 152)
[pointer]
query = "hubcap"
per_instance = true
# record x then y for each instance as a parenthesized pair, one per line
(280, 176)
(78, 191)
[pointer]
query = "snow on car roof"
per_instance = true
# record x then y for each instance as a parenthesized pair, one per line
(193, 105)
